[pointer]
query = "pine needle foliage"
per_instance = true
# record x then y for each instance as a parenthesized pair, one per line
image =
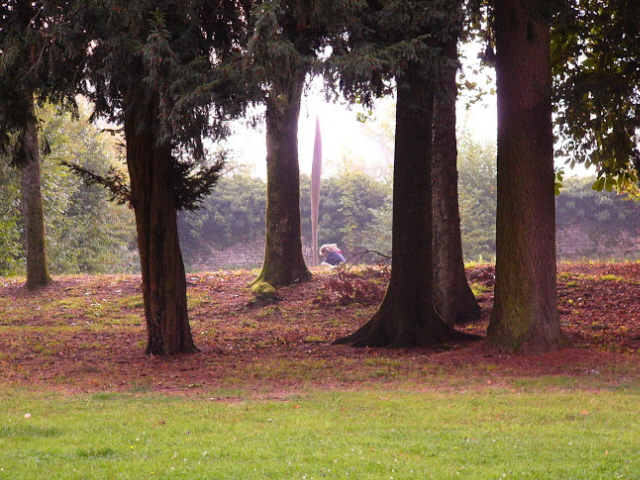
(387, 40)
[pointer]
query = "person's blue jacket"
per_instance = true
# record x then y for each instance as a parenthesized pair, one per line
(334, 258)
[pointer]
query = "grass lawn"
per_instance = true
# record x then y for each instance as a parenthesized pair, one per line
(486, 433)
(270, 397)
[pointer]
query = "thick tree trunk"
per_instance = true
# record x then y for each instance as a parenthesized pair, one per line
(525, 314)
(407, 315)
(454, 300)
(283, 260)
(163, 277)
(37, 269)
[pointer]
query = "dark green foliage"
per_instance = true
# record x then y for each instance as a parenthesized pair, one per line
(291, 35)
(388, 38)
(196, 182)
(162, 52)
(30, 65)
(113, 180)
(597, 74)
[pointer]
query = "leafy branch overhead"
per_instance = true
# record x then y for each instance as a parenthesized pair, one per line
(113, 180)
(597, 88)
(193, 183)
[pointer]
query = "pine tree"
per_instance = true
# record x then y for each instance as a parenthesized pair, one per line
(406, 41)
(289, 38)
(20, 82)
(525, 314)
(156, 68)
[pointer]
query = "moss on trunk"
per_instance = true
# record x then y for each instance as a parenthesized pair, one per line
(525, 315)
(163, 276)
(35, 239)
(407, 315)
(283, 260)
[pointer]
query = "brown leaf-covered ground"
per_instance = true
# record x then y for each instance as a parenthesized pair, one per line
(87, 333)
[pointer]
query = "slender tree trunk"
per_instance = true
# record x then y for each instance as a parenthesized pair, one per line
(525, 314)
(454, 300)
(37, 269)
(283, 260)
(163, 277)
(407, 315)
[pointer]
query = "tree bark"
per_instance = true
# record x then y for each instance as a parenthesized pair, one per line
(407, 315)
(164, 285)
(36, 249)
(283, 260)
(454, 299)
(525, 315)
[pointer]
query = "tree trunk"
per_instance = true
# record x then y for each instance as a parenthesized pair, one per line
(407, 315)
(163, 277)
(525, 315)
(283, 260)
(37, 269)
(454, 300)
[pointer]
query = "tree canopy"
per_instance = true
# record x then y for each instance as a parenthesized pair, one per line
(595, 47)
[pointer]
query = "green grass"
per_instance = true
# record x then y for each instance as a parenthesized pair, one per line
(376, 434)
(478, 289)
(611, 278)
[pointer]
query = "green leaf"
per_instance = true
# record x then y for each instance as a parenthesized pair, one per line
(598, 185)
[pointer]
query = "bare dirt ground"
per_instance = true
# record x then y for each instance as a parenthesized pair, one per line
(87, 334)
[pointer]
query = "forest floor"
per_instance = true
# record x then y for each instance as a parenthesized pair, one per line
(87, 334)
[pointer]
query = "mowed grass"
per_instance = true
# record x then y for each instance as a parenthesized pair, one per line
(489, 433)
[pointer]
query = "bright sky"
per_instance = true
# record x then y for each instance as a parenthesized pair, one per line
(350, 144)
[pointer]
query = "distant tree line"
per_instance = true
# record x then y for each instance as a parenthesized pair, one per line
(88, 234)
(85, 232)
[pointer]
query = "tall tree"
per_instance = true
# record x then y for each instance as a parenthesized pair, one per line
(32, 205)
(19, 83)
(288, 40)
(410, 44)
(454, 299)
(157, 68)
(525, 314)
(283, 260)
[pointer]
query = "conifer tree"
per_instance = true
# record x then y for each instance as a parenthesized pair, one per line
(157, 69)
(405, 41)
(20, 82)
(525, 314)
(288, 40)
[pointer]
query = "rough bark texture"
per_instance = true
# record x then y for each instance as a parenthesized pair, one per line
(37, 269)
(283, 260)
(454, 300)
(525, 315)
(407, 315)
(163, 277)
